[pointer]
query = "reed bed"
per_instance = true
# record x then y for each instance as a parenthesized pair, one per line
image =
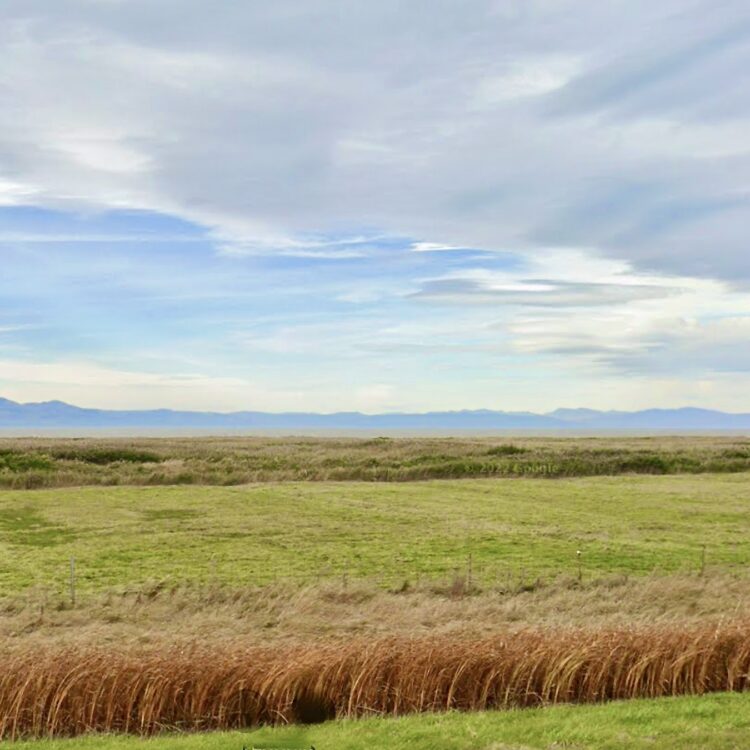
(227, 685)
(32, 463)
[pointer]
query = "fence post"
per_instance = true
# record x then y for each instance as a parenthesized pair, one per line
(73, 581)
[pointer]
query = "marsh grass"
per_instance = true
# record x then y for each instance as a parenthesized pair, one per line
(34, 463)
(218, 685)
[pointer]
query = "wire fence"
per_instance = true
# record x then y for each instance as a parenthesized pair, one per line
(466, 572)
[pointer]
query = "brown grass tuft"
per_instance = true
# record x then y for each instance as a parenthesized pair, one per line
(198, 686)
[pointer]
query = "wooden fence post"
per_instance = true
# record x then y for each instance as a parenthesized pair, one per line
(73, 581)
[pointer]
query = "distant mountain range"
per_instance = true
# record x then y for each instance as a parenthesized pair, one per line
(59, 415)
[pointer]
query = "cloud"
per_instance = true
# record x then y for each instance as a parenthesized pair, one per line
(679, 56)
(91, 384)
(311, 248)
(538, 292)
(555, 124)
(642, 340)
(85, 382)
(689, 350)
(598, 315)
(525, 78)
(431, 247)
(374, 398)
(689, 347)
(37, 238)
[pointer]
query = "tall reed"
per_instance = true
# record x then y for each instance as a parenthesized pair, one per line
(200, 686)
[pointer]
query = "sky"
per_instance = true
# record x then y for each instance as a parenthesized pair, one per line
(329, 205)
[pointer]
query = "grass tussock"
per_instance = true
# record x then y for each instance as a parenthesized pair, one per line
(225, 685)
(36, 462)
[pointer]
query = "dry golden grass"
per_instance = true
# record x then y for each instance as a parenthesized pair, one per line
(285, 614)
(227, 684)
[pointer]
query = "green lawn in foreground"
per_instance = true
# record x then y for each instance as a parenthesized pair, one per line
(713, 722)
(253, 534)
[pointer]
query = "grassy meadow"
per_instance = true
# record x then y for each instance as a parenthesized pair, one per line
(498, 533)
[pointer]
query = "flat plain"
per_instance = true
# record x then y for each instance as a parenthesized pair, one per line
(389, 533)
(131, 545)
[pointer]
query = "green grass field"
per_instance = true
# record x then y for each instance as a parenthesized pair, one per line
(123, 536)
(713, 722)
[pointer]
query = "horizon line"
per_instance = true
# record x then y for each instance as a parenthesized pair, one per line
(376, 414)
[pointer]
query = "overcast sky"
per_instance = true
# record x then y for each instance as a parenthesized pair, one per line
(375, 205)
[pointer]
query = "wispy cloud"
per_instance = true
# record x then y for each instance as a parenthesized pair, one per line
(538, 292)
(32, 238)
(432, 247)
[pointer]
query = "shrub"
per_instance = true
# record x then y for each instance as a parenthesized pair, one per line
(507, 449)
(103, 456)
(18, 461)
